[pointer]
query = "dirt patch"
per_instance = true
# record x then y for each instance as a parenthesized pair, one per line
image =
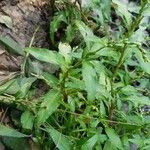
(26, 16)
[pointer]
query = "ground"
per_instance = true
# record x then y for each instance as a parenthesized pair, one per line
(26, 16)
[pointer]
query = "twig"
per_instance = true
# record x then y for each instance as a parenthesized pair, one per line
(27, 54)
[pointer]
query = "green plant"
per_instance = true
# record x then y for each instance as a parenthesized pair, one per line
(97, 98)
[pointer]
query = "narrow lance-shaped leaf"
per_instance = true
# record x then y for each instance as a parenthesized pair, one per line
(46, 55)
(13, 46)
(89, 77)
(25, 84)
(89, 144)
(114, 138)
(6, 20)
(49, 106)
(144, 65)
(50, 79)
(27, 119)
(7, 131)
(61, 142)
(5, 86)
(56, 23)
(87, 33)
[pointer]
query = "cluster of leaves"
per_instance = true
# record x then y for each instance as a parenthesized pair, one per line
(98, 96)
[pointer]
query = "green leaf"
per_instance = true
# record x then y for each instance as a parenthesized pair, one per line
(128, 90)
(50, 79)
(114, 138)
(55, 23)
(87, 33)
(13, 88)
(139, 35)
(27, 120)
(5, 86)
(60, 140)
(70, 33)
(109, 145)
(16, 143)
(12, 45)
(25, 84)
(7, 131)
(108, 52)
(89, 77)
(75, 83)
(145, 66)
(90, 143)
(138, 100)
(137, 140)
(6, 20)
(122, 10)
(106, 8)
(146, 11)
(49, 105)
(46, 55)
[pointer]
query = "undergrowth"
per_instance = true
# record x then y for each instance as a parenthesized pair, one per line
(98, 97)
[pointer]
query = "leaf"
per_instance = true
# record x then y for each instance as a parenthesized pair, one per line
(114, 138)
(55, 23)
(7, 131)
(146, 11)
(122, 10)
(128, 90)
(49, 105)
(25, 84)
(16, 143)
(6, 20)
(89, 77)
(71, 102)
(90, 143)
(46, 55)
(61, 142)
(138, 100)
(139, 35)
(12, 45)
(144, 65)
(50, 79)
(5, 86)
(70, 33)
(137, 140)
(108, 52)
(87, 33)
(75, 83)
(101, 11)
(106, 6)
(13, 88)
(107, 146)
(27, 120)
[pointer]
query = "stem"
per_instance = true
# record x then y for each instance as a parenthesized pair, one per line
(131, 30)
(27, 54)
(102, 120)
(62, 85)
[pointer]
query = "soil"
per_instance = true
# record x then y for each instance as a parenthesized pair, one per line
(26, 16)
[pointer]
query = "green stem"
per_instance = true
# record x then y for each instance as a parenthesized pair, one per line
(131, 30)
(27, 54)
(95, 118)
(62, 85)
